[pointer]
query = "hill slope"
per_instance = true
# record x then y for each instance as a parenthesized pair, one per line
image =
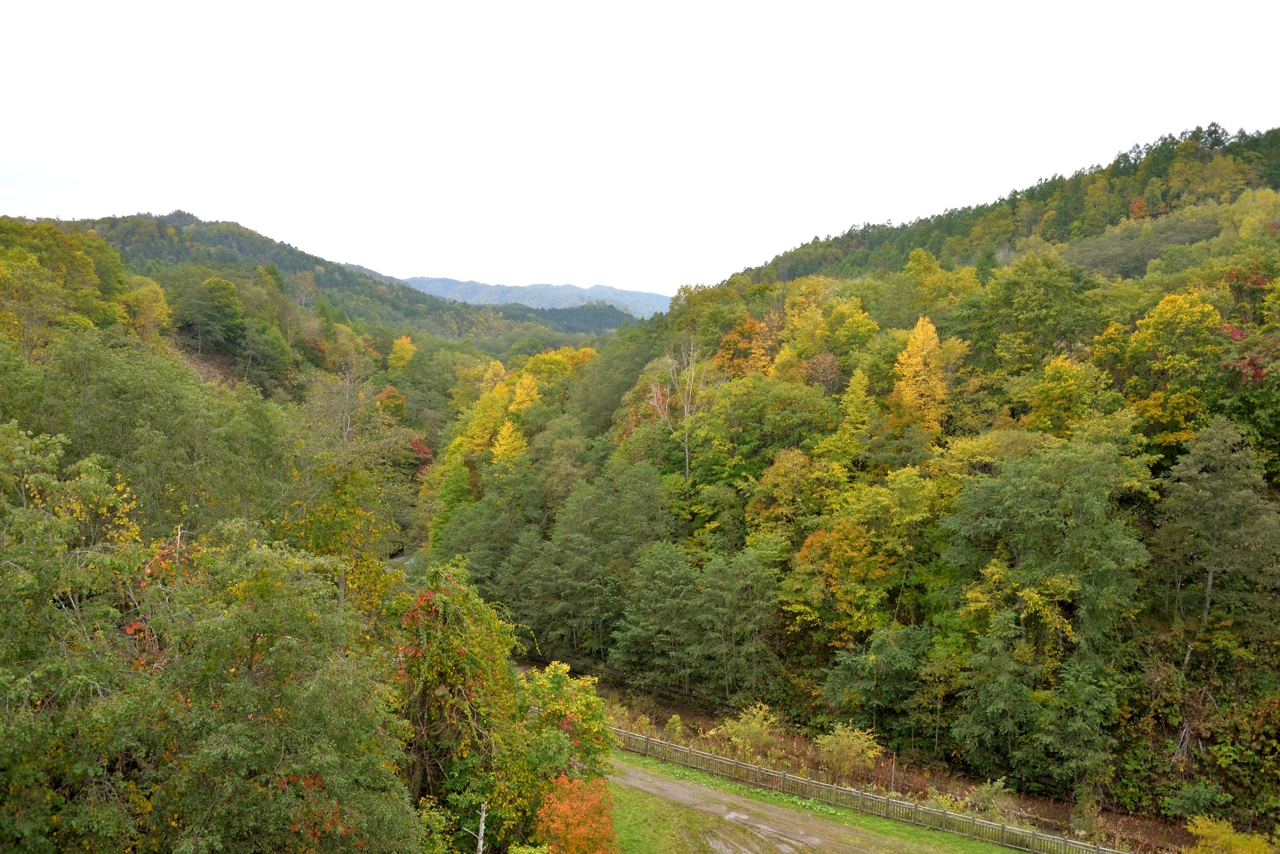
(997, 485)
(638, 303)
(1172, 173)
(162, 245)
(214, 468)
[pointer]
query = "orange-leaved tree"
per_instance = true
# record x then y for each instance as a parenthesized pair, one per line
(576, 817)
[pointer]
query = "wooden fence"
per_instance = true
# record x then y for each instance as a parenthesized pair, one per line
(881, 805)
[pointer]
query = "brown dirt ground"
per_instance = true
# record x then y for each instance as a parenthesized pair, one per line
(773, 828)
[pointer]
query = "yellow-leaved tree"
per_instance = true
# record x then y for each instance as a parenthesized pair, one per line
(920, 393)
(1168, 367)
(935, 286)
(858, 409)
(509, 443)
(1063, 395)
(402, 352)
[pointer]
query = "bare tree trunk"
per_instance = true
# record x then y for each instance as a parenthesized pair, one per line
(679, 379)
(1208, 598)
(416, 773)
(689, 382)
(686, 452)
(1204, 616)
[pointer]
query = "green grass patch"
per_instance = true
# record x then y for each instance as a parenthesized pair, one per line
(934, 840)
(648, 824)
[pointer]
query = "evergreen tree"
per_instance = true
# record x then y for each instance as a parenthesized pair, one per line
(1218, 542)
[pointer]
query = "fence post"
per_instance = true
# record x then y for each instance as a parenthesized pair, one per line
(646, 745)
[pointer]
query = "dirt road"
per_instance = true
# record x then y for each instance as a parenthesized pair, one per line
(773, 828)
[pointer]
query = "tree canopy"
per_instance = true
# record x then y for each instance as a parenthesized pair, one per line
(993, 489)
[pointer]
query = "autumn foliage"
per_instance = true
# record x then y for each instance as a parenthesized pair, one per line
(994, 490)
(576, 817)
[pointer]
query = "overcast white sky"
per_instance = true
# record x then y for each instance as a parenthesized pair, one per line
(639, 145)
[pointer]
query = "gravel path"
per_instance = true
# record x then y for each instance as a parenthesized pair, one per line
(773, 828)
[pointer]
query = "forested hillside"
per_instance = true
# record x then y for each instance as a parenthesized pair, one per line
(1140, 187)
(272, 528)
(286, 312)
(206, 466)
(997, 485)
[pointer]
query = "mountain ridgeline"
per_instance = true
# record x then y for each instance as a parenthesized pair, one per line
(1140, 188)
(997, 488)
(636, 303)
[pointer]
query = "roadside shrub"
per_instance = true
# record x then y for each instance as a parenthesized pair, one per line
(991, 798)
(1214, 836)
(847, 751)
(1196, 799)
(753, 734)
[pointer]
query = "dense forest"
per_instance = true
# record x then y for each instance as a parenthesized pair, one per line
(1075, 214)
(997, 486)
(210, 448)
(1000, 489)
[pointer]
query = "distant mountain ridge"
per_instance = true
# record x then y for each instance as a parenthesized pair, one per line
(637, 303)
(179, 244)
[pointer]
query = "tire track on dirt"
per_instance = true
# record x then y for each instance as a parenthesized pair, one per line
(777, 828)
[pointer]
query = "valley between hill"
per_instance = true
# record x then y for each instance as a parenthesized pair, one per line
(992, 493)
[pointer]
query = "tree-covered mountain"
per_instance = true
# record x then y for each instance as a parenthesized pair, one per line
(1146, 183)
(636, 303)
(166, 243)
(271, 528)
(998, 485)
(207, 465)
(251, 307)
